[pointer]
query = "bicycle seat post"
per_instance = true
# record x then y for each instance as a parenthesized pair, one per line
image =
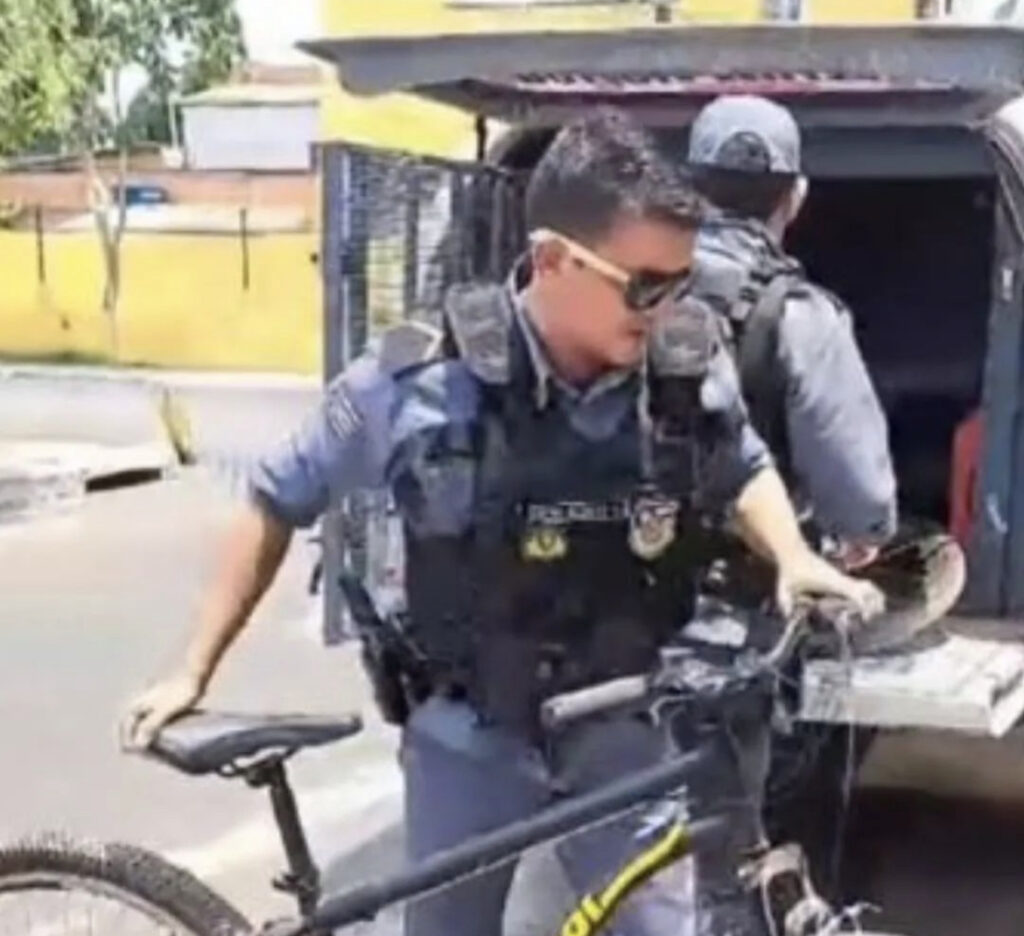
(302, 877)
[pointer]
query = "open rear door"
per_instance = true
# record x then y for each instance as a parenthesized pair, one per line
(398, 230)
(997, 548)
(971, 678)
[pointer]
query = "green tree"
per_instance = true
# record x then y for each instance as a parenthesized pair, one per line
(37, 94)
(62, 61)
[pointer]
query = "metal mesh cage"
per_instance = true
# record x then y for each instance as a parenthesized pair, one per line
(403, 228)
(398, 231)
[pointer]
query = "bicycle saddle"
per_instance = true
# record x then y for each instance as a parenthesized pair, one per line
(204, 742)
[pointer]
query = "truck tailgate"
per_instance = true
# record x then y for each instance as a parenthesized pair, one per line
(965, 676)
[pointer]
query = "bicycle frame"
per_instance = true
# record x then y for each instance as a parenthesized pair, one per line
(493, 849)
(594, 912)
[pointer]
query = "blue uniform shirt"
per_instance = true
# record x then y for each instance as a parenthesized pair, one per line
(346, 444)
(837, 431)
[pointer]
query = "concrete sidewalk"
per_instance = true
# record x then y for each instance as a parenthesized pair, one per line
(167, 378)
(64, 428)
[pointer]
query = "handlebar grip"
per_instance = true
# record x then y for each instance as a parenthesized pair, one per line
(562, 710)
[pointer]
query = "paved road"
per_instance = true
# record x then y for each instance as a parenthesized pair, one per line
(97, 602)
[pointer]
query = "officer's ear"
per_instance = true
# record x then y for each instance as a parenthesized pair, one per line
(548, 257)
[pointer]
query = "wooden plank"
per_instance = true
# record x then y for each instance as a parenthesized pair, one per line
(967, 678)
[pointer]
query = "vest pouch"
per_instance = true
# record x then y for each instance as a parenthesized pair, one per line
(445, 497)
(512, 674)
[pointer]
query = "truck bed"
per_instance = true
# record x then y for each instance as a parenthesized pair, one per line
(965, 676)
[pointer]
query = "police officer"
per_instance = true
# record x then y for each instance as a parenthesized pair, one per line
(806, 384)
(547, 469)
(808, 393)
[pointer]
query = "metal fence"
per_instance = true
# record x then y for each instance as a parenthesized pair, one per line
(398, 231)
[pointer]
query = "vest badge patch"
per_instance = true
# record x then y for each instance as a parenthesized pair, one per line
(545, 544)
(652, 526)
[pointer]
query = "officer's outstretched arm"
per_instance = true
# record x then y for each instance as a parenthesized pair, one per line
(249, 559)
(767, 522)
(289, 488)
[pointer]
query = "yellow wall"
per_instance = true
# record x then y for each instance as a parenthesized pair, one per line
(404, 122)
(864, 11)
(183, 304)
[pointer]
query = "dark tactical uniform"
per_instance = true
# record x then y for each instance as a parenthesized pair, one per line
(548, 546)
(808, 394)
(804, 381)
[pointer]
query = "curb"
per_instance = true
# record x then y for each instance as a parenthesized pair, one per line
(40, 479)
(39, 487)
(65, 431)
(183, 379)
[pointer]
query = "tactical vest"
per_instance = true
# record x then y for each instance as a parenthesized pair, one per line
(748, 280)
(575, 564)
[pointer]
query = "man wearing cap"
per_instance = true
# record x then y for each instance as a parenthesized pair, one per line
(804, 380)
(803, 376)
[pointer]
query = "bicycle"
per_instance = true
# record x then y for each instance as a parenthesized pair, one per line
(256, 749)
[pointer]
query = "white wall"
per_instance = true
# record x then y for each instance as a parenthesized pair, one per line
(264, 137)
(986, 11)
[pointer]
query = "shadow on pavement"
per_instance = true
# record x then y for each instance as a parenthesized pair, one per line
(938, 865)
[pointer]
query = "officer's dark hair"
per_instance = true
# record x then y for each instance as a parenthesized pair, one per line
(745, 194)
(600, 167)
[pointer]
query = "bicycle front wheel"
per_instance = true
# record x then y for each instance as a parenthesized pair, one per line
(52, 885)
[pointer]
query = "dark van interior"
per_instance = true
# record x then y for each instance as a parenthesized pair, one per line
(912, 258)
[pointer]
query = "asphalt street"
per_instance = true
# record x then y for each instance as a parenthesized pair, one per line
(98, 602)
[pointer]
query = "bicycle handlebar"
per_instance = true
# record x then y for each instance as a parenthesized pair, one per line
(564, 709)
(569, 707)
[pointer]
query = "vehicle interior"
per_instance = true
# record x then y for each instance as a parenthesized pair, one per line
(912, 258)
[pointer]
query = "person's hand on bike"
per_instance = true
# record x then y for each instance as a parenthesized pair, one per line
(852, 555)
(807, 574)
(157, 706)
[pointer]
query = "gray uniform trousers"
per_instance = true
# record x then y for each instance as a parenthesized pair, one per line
(463, 778)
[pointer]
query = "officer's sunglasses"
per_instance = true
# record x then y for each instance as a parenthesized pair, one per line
(643, 290)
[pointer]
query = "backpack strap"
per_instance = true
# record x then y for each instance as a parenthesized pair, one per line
(757, 359)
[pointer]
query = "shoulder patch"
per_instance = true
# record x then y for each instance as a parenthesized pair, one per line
(341, 412)
(409, 344)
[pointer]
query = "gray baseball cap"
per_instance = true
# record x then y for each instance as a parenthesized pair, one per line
(746, 133)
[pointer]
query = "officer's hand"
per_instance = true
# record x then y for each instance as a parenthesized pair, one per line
(852, 555)
(157, 706)
(810, 575)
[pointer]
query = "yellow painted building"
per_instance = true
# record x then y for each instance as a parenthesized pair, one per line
(402, 121)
